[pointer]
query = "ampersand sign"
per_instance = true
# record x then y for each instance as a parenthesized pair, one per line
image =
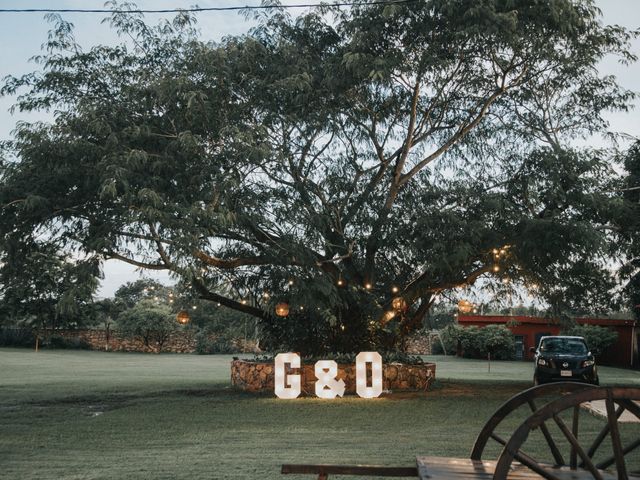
(327, 386)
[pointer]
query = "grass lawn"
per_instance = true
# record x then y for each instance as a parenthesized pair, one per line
(95, 415)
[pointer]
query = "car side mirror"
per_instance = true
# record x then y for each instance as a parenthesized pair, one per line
(532, 349)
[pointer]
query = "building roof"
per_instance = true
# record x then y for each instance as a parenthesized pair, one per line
(527, 319)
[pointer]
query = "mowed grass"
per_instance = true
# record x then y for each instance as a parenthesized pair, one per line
(96, 415)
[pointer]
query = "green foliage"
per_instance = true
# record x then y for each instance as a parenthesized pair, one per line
(129, 294)
(350, 358)
(17, 337)
(598, 339)
(148, 321)
(629, 223)
(389, 146)
(206, 344)
(449, 337)
(63, 343)
(41, 287)
(475, 342)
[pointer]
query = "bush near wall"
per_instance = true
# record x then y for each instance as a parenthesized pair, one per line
(182, 341)
(598, 338)
(17, 337)
(475, 342)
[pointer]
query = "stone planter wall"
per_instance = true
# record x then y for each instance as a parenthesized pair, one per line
(259, 377)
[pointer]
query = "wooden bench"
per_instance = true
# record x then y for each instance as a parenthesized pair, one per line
(589, 455)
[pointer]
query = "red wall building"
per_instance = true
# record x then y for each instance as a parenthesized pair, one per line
(528, 330)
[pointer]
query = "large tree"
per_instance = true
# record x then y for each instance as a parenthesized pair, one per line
(629, 225)
(335, 160)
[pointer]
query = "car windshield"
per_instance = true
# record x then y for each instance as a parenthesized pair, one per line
(563, 346)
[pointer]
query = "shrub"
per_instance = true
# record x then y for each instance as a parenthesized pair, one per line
(64, 343)
(17, 337)
(449, 337)
(148, 321)
(206, 345)
(498, 341)
(350, 358)
(598, 338)
(479, 342)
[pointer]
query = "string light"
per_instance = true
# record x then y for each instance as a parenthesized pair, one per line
(496, 268)
(201, 9)
(367, 286)
(290, 282)
(395, 289)
(194, 307)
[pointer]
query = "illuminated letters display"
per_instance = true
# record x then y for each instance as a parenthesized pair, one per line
(284, 389)
(327, 386)
(362, 388)
(326, 371)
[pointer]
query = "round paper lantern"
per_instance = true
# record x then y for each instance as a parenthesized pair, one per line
(282, 309)
(183, 317)
(465, 306)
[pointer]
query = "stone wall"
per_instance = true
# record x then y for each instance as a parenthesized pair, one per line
(420, 344)
(178, 342)
(259, 377)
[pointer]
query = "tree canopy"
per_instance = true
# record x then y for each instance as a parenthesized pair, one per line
(629, 224)
(355, 163)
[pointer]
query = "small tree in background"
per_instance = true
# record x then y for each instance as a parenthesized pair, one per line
(151, 322)
(476, 342)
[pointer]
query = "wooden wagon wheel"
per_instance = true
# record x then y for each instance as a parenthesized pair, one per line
(582, 460)
(528, 397)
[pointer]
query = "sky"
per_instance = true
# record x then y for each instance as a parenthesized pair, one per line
(22, 34)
